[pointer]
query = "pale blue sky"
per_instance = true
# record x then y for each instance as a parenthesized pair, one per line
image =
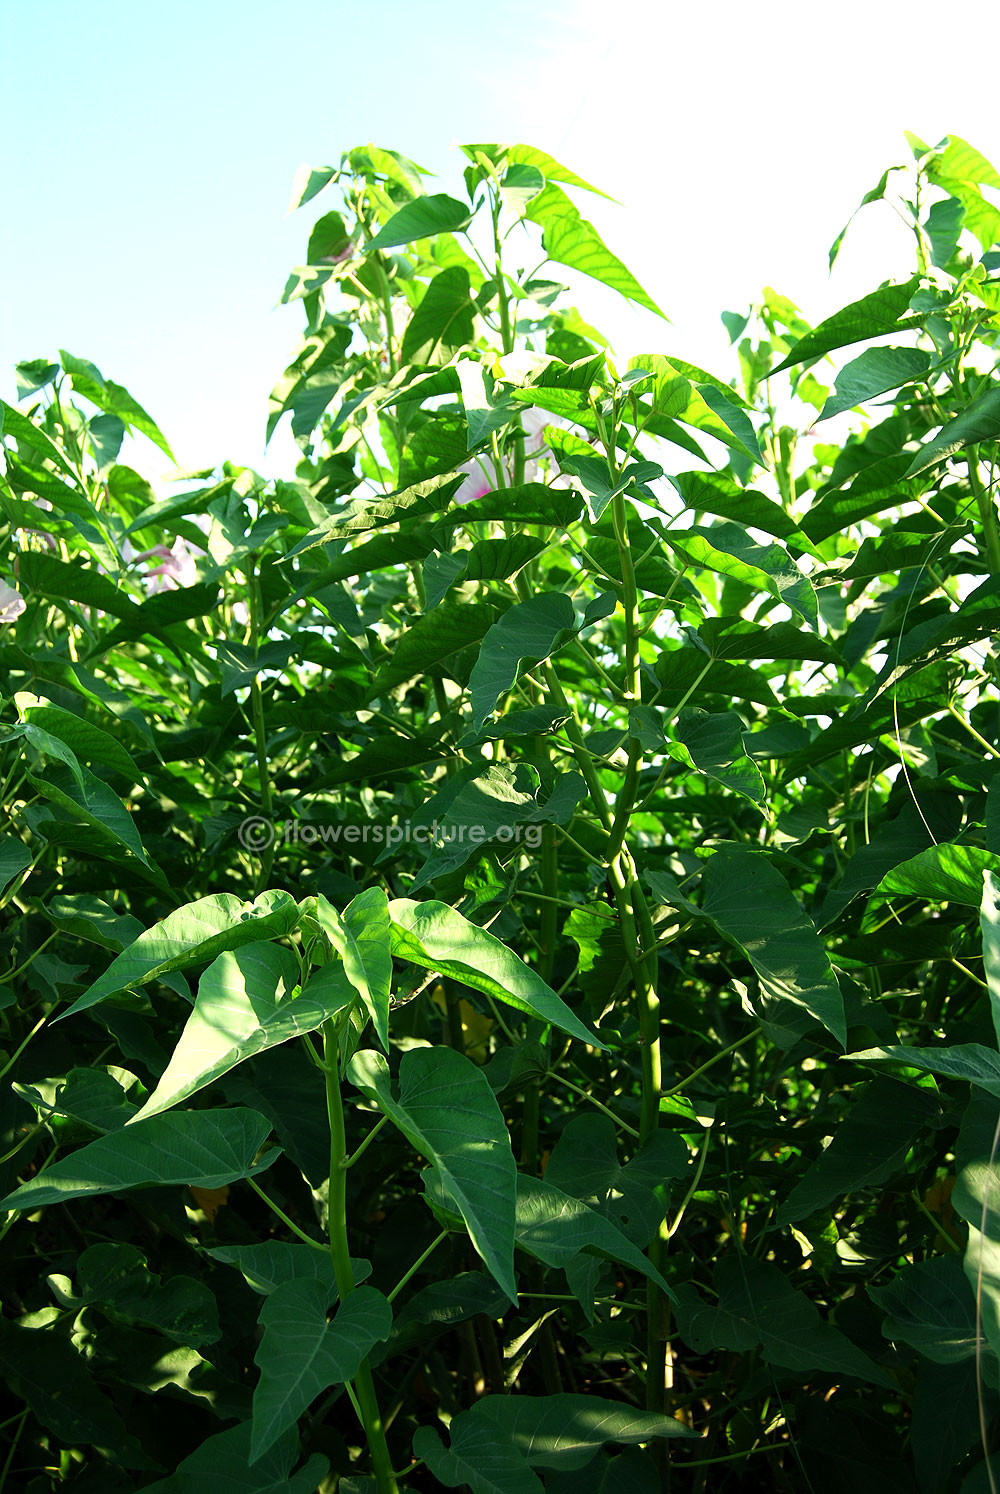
(150, 150)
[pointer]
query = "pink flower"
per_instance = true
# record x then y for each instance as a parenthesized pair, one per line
(12, 604)
(481, 477)
(176, 567)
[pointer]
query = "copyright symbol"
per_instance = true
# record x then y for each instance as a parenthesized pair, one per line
(256, 833)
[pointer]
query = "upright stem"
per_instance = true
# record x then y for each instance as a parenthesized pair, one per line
(987, 511)
(340, 1255)
(640, 939)
(260, 738)
(506, 330)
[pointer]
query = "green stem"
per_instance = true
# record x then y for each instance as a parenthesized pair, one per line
(424, 1255)
(290, 1223)
(987, 511)
(260, 737)
(12, 1060)
(340, 1255)
(746, 1038)
(578, 1089)
(971, 729)
(367, 1142)
(506, 330)
(11, 974)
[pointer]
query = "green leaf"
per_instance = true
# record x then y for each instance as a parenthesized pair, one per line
(434, 644)
(89, 743)
(570, 240)
(726, 405)
(301, 1354)
(117, 1279)
(499, 559)
(979, 421)
(531, 503)
(555, 1228)
(564, 1431)
(94, 920)
(866, 1149)
(596, 481)
(362, 939)
(193, 934)
(247, 1003)
(448, 1112)
(729, 550)
(938, 637)
(444, 321)
(90, 1096)
(14, 859)
(710, 407)
(421, 219)
(944, 873)
(222, 1464)
(49, 746)
(969, 1061)
(61, 581)
(43, 1368)
(520, 184)
(309, 180)
(584, 1163)
(758, 1305)
(883, 311)
(989, 919)
(26, 433)
(875, 195)
(712, 743)
(203, 1148)
(436, 937)
(440, 1306)
(163, 611)
(735, 637)
(268, 1266)
(875, 372)
(932, 1307)
(480, 1458)
(113, 399)
(550, 168)
(88, 798)
(500, 805)
(417, 500)
(751, 905)
(976, 1198)
(486, 411)
(960, 170)
(530, 630)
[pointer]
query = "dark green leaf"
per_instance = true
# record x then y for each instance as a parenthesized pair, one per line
(204, 1148)
(979, 421)
(443, 322)
(421, 219)
(222, 1464)
(448, 1111)
(302, 1354)
(874, 315)
(530, 630)
(750, 904)
(932, 1307)
(875, 372)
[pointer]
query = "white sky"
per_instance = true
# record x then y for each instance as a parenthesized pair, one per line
(145, 190)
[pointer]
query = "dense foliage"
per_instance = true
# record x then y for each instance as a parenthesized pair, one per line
(502, 963)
